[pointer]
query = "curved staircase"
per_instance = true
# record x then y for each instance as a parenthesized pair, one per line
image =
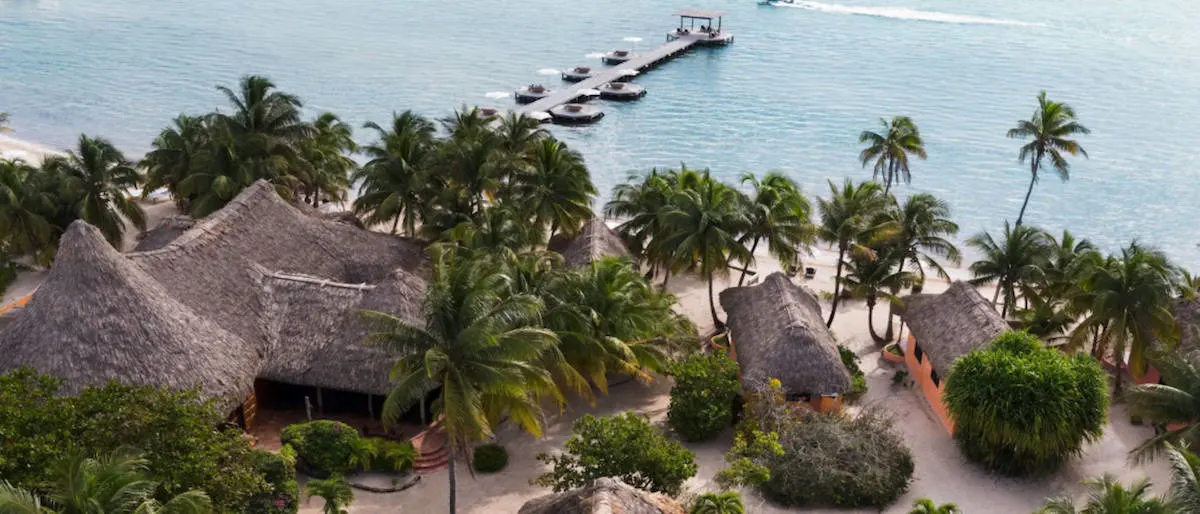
(433, 454)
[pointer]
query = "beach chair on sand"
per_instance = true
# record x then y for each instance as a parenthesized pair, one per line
(810, 272)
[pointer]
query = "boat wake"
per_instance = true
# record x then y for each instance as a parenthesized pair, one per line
(902, 13)
(498, 94)
(548, 71)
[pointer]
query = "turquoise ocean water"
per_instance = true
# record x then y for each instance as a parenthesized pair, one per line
(791, 94)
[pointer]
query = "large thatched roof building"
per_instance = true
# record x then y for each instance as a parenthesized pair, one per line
(259, 289)
(604, 496)
(777, 332)
(594, 242)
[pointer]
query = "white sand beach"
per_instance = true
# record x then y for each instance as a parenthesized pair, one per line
(14, 148)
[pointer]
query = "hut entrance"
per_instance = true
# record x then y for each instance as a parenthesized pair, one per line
(280, 404)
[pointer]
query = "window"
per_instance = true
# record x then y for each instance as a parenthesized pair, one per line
(917, 352)
(937, 381)
(799, 397)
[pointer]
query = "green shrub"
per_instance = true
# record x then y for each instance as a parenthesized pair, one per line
(280, 473)
(994, 394)
(624, 446)
(858, 380)
(728, 502)
(327, 446)
(388, 455)
(836, 461)
(490, 458)
(702, 399)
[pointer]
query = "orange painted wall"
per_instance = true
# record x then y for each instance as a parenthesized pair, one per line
(920, 373)
(19, 302)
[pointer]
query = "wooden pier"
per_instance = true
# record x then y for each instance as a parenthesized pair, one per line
(678, 42)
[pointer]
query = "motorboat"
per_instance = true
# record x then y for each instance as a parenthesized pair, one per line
(577, 74)
(621, 91)
(576, 114)
(531, 93)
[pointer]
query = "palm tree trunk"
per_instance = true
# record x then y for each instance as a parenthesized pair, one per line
(1004, 310)
(553, 229)
(395, 223)
(1120, 362)
(871, 319)
(1033, 170)
(742, 278)
(837, 286)
(667, 278)
(712, 304)
(887, 334)
(887, 180)
(996, 297)
(453, 482)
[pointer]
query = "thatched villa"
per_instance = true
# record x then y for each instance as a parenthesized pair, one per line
(604, 496)
(258, 296)
(776, 331)
(594, 242)
(1187, 316)
(942, 328)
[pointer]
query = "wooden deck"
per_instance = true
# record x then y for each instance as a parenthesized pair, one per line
(642, 61)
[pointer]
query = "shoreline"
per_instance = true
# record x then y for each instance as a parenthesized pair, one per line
(29, 151)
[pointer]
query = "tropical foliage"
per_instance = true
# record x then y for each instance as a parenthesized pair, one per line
(1049, 132)
(927, 506)
(1174, 405)
(702, 400)
(1020, 408)
(335, 491)
(728, 502)
(1106, 495)
(890, 148)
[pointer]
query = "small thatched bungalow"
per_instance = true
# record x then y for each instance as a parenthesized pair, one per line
(167, 230)
(257, 294)
(594, 242)
(776, 331)
(604, 496)
(942, 328)
(1187, 316)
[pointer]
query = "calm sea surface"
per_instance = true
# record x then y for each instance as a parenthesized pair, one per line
(791, 94)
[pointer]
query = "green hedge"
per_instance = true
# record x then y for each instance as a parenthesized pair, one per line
(334, 448)
(280, 473)
(706, 387)
(490, 458)
(858, 380)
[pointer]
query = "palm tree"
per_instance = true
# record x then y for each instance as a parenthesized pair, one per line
(97, 178)
(849, 219)
(178, 151)
(116, 484)
(556, 190)
(1185, 478)
(1108, 496)
(477, 346)
(1130, 305)
(641, 202)
(1015, 259)
(703, 226)
(926, 506)
(1175, 404)
(23, 208)
(326, 152)
(1049, 131)
(728, 502)
(395, 179)
(265, 131)
(871, 277)
(334, 490)
(890, 149)
(923, 230)
(496, 229)
(778, 213)
(468, 124)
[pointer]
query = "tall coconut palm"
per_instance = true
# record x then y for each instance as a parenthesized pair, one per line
(850, 220)
(394, 181)
(890, 149)
(265, 131)
(335, 491)
(1185, 477)
(1070, 261)
(778, 213)
(922, 229)
(1130, 305)
(556, 189)
(1015, 259)
(498, 229)
(727, 502)
(872, 277)
(927, 506)
(97, 178)
(1049, 132)
(116, 484)
(641, 201)
(703, 227)
(176, 153)
(477, 345)
(1175, 404)
(24, 228)
(468, 124)
(1107, 496)
(327, 152)
(473, 168)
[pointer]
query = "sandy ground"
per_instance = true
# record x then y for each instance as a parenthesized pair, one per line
(941, 473)
(13, 148)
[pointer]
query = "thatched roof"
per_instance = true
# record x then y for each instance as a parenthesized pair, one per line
(604, 496)
(1187, 315)
(98, 317)
(952, 324)
(778, 332)
(594, 242)
(167, 230)
(317, 333)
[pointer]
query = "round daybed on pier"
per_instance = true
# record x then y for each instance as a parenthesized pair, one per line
(576, 114)
(541, 117)
(577, 74)
(531, 93)
(489, 112)
(618, 56)
(621, 91)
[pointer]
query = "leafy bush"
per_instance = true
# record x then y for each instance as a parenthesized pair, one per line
(328, 446)
(173, 430)
(388, 455)
(993, 395)
(490, 458)
(858, 380)
(830, 460)
(729, 502)
(280, 473)
(623, 446)
(702, 400)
